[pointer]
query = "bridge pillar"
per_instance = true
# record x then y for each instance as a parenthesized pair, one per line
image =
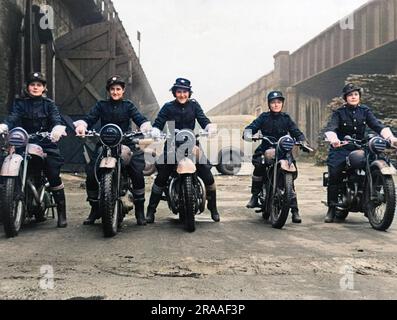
(291, 106)
(282, 69)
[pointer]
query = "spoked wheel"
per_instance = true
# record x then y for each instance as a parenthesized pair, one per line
(281, 200)
(265, 204)
(189, 204)
(12, 206)
(109, 204)
(381, 206)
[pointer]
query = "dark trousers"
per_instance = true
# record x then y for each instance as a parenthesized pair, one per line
(165, 170)
(260, 171)
(52, 167)
(134, 170)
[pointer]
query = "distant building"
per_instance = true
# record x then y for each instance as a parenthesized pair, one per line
(364, 43)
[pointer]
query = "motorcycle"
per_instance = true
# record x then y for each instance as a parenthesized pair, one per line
(368, 185)
(185, 192)
(25, 191)
(115, 200)
(277, 193)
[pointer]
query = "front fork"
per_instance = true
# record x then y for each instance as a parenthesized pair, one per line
(275, 172)
(118, 178)
(24, 170)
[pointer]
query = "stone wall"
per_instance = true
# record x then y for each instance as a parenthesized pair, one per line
(380, 94)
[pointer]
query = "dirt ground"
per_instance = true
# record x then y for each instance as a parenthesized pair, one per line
(239, 258)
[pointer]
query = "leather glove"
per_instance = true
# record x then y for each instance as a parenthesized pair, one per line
(3, 128)
(81, 128)
(393, 141)
(155, 133)
(212, 129)
(248, 135)
(146, 127)
(333, 139)
(387, 134)
(57, 133)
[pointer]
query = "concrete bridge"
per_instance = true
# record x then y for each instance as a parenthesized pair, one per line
(363, 43)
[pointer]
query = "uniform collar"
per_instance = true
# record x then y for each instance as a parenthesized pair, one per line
(180, 104)
(35, 99)
(350, 107)
(116, 102)
(275, 114)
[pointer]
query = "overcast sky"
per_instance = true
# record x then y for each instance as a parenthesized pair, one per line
(221, 45)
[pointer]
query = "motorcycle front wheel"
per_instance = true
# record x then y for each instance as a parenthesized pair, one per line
(189, 204)
(381, 207)
(109, 204)
(281, 200)
(12, 206)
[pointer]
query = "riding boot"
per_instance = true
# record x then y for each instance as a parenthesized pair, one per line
(255, 190)
(59, 198)
(332, 193)
(296, 218)
(211, 198)
(139, 203)
(154, 201)
(94, 213)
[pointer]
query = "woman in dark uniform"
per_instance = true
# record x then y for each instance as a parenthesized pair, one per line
(352, 119)
(34, 112)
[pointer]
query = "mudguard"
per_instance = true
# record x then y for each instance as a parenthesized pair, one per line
(384, 168)
(186, 166)
(11, 165)
(108, 163)
(36, 150)
(287, 167)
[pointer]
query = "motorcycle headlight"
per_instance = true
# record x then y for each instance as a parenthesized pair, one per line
(286, 143)
(18, 137)
(111, 135)
(377, 145)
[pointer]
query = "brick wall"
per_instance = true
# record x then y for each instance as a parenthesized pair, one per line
(10, 19)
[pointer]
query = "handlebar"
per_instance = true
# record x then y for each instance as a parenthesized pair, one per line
(272, 141)
(348, 140)
(40, 135)
(136, 137)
